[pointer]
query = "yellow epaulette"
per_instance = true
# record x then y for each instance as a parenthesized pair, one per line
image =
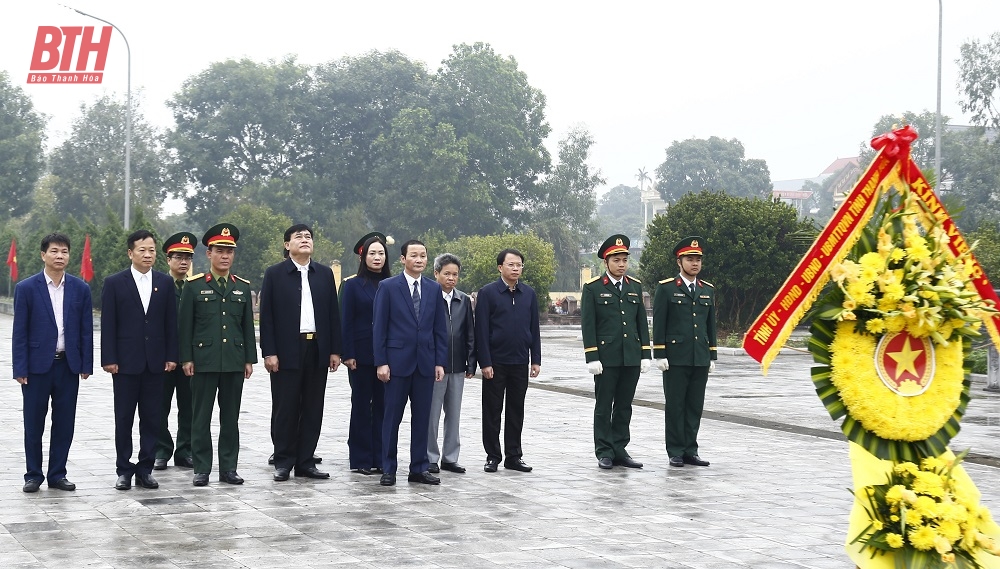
(195, 277)
(665, 281)
(597, 278)
(635, 279)
(239, 278)
(706, 283)
(350, 277)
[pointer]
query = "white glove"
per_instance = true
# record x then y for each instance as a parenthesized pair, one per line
(595, 367)
(711, 366)
(644, 365)
(662, 365)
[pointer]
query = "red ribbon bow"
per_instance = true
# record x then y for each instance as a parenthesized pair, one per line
(897, 142)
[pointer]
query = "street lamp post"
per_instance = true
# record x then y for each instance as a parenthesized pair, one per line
(128, 118)
(937, 117)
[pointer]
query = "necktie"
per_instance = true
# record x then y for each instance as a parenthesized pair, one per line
(179, 283)
(691, 286)
(222, 284)
(416, 298)
(618, 285)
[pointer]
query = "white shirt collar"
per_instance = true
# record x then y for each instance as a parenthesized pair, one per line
(137, 275)
(687, 283)
(410, 280)
(298, 266)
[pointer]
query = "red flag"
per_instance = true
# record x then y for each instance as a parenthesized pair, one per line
(12, 260)
(86, 266)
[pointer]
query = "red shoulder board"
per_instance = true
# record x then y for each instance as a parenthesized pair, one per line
(604, 280)
(678, 282)
(208, 277)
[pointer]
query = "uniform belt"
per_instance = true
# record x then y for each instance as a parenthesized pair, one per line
(60, 355)
(307, 335)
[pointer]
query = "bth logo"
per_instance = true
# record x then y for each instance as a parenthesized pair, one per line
(55, 47)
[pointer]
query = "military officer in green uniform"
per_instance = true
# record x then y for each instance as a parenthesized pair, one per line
(218, 349)
(616, 345)
(685, 348)
(179, 249)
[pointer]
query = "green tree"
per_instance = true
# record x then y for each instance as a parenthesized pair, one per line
(479, 261)
(750, 249)
(972, 166)
(238, 123)
(620, 211)
(261, 240)
(355, 101)
(979, 77)
(986, 239)
(501, 119)
(420, 167)
(89, 167)
(713, 164)
(22, 131)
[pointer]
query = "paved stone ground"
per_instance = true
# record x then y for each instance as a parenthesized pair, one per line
(774, 497)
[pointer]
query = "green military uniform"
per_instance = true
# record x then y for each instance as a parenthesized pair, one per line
(616, 333)
(684, 335)
(217, 334)
(176, 380)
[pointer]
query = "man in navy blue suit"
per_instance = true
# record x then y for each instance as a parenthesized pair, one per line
(53, 349)
(138, 346)
(410, 340)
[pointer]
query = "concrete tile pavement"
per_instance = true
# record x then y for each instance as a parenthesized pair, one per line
(775, 495)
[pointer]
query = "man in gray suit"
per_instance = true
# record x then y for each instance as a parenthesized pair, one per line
(461, 365)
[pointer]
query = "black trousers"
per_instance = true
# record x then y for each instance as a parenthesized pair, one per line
(144, 392)
(297, 398)
(512, 381)
(364, 441)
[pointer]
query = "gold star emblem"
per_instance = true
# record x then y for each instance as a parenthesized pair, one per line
(905, 359)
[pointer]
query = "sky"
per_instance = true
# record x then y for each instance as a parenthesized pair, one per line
(799, 83)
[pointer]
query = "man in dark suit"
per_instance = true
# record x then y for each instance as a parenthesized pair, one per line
(410, 340)
(684, 341)
(616, 347)
(138, 345)
(218, 348)
(52, 347)
(179, 249)
(300, 341)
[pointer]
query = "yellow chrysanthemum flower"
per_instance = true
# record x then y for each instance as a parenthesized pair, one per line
(894, 540)
(922, 538)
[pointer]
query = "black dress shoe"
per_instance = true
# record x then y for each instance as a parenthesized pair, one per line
(62, 484)
(311, 472)
(433, 469)
(605, 463)
(317, 459)
(423, 478)
(160, 464)
(453, 467)
(31, 485)
(388, 479)
(676, 461)
(518, 465)
(230, 477)
(627, 462)
(270, 459)
(365, 471)
(123, 483)
(280, 474)
(200, 479)
(491, 465)
(146, 480)
(695, 460)
(184, 462)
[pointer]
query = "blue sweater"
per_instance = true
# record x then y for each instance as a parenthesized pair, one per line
(507, 325)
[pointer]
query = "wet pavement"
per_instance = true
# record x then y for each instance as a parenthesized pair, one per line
(775, 495)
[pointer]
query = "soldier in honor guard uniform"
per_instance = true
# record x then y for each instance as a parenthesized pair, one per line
(218, 349)
(179, 249)
(616, 345)
(685, 348)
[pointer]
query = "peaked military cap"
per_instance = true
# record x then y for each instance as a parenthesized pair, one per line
(381, 237)
(689, 246)
(221, 235)
(182, 242)
(613, 245)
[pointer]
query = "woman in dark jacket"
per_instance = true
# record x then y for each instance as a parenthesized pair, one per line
(357, 294)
